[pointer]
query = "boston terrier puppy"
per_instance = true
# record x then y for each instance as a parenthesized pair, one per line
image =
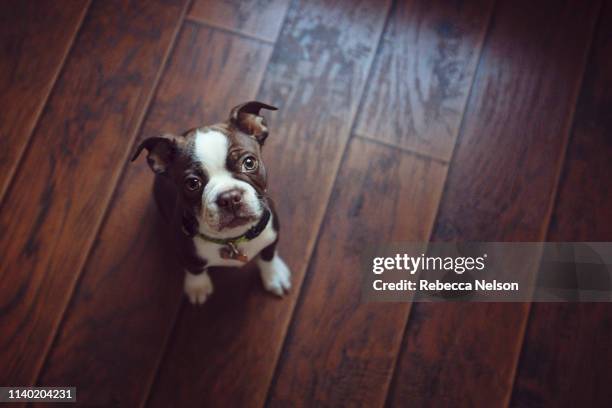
(210, 185)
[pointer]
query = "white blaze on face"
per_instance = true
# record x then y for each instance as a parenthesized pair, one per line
(211, 148)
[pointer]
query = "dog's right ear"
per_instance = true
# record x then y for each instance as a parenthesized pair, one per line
(161, 152)
(246, 117)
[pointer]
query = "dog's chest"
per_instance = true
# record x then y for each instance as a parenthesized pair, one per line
(212, 252)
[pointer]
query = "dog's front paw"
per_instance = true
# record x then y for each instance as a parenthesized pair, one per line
(198, 287)
(275, 275)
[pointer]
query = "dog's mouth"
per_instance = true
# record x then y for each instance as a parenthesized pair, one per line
(229, 221)
(233, 221)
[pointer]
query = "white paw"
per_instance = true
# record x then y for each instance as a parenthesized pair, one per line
(275, 275)
(198, 287)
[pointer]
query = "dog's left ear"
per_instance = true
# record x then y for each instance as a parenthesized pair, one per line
(161, 152)
(246, 117)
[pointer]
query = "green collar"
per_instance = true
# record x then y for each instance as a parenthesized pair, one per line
(225, 241)
(252, 233)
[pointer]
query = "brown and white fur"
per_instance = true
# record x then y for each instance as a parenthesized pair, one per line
(212, 180)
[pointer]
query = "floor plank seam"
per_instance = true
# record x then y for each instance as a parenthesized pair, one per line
(402, 149)
(212, 26)
(342, 156)
(483, 41)
(280, 30)
(555, 193)
(9, 185)
(146, 397)
(115, 182)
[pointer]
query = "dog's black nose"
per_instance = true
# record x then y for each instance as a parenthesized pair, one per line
(230, 200)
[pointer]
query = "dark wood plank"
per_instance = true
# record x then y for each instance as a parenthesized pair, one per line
(30, 64)
(423, 73)
(500, 187)
(50, 217)
(125, 305)
(340, 351)
(566, 356)
(224, 354)
(256, 18)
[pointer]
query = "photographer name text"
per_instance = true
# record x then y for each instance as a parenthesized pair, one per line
(437, 285)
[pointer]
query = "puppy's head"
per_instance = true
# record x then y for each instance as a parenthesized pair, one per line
(217, 170)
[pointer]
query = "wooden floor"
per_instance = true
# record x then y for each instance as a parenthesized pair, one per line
(399, 120)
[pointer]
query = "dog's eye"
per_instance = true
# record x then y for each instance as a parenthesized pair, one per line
(249, 164)
(193, 184)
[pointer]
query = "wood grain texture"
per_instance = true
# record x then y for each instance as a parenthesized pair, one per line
(566, 356)
(50, 217)
(29, 66)
(228, 349)
(517, 123)
(340, 351)
(423, 73)
(257, 18)
(110, 353)
(500, 188)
